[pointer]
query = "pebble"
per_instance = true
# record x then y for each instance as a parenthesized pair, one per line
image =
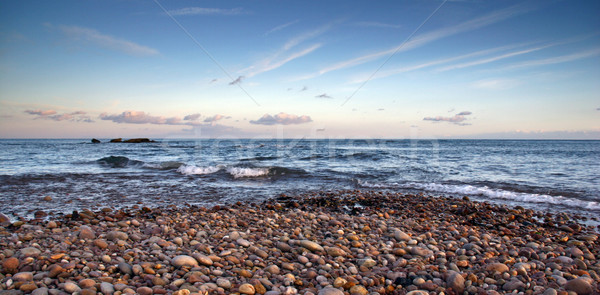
(144, 291)
(125, 268)
(580, 286)
(247, 289)
(243, 242)
(312, 246)
(40, 291)
(184, 260)
(401, 236)
(456, 282)
(330, 291)
(116, 235)
(358, 290)
(420, 251)
(335, 251)
(10, 265)
(71, 287)
(23, 276)
(273, 269)
(203, 259)
(499, 267)
(86, 233)
(30, 252)
(107, 288)
(224, 283)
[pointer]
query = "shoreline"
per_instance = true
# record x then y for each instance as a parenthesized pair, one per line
(358, 242)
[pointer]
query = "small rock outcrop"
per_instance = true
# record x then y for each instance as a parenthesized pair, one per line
(95, 140)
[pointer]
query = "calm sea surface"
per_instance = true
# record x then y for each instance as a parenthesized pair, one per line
(558, 176)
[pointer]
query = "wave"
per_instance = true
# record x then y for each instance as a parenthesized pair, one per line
(118, 162)
(489, 193)
(195, 170)
(168, 165)
(239, 172)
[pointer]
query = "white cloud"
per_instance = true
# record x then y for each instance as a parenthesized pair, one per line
(457, 119)
(139, 117)
(281, 119)
(106, 41)
(77, 116)
(215, 118)
(191, 117)
(206, 11)
(41, 112)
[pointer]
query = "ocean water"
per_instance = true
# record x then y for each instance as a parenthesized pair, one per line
(556, 176)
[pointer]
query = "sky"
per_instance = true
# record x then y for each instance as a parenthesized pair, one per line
(313, 69)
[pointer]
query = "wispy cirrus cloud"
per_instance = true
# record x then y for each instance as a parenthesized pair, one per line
(409, 68)
(429, 37)
(307, 36)
(493, 58)
(284, 56)
(139, 117)
(378, 25)
(272, 65)
(82, 34)
(280, 27)
(557, 59)
(495, 84)
(457, 119)
(77, 116)
(207, 11)
(281, 119)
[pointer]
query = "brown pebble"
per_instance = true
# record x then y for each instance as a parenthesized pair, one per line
(144, 291)
(10, 265)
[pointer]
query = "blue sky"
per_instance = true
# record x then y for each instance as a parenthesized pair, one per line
(330, 69)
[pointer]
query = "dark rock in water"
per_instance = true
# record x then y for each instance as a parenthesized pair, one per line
(138, 140)
(95, 140)
(118, 162)
(116, 140)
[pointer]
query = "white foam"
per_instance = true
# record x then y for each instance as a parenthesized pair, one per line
(191, 169)
(504, 194)
(238, 172)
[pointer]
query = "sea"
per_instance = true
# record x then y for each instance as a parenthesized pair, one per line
(553, 176)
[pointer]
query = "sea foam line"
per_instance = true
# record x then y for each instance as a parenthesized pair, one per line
(195, 170)
(506, 195)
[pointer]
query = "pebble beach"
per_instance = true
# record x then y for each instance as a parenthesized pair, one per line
(327, 243)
